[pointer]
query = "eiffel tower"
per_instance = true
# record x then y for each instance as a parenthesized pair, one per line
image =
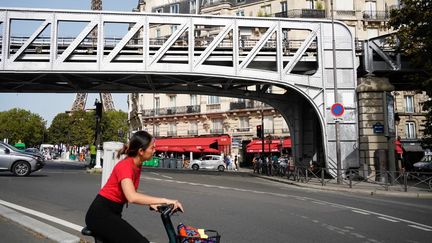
(81, 98)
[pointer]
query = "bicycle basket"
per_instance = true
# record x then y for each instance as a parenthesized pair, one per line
(213, 237)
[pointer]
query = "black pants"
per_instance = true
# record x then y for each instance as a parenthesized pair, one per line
(103, 218)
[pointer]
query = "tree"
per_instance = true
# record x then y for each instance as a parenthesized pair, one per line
(58, 131)
(22, 125)
(114, 122)
(413, 22)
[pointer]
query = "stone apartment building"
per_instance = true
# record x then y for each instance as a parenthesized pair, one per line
(181, 115)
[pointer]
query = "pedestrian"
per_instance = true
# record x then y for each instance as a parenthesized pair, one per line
(104, 217)
(399, 154)
(236, 162)
(92, 156)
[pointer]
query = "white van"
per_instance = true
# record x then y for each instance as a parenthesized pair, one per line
(46, 150)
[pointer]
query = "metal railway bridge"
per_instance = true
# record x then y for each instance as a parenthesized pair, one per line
(228, 56)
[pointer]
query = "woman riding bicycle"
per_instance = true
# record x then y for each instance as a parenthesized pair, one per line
(103, 217)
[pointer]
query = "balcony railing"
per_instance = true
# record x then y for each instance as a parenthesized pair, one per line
(301, 13)
(285, 130)
(345, 14)
(247, 105)
(243, 129)
(216, 131)
(171, 133)
(172, 110)
(376, 15)
(268, 131)
(193, 132)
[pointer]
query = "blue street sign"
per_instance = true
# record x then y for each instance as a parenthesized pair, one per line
(337, 109)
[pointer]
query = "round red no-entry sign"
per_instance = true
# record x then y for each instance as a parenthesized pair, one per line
(337, 109)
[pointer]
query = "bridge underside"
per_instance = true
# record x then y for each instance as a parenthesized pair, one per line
(302, 119)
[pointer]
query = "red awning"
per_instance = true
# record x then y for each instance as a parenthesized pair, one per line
(274, 146)
(196, 145)
(257, 148)
(210, 150)
(192, 149)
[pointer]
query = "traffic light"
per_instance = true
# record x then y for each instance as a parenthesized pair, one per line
(98, 109)
(259, 131)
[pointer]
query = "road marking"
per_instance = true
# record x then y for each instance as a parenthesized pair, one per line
(317, 201)
(42, 215)
(360, 212)
(391, 220)
(418, 227)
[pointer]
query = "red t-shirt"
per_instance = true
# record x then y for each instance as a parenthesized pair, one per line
(126, 168)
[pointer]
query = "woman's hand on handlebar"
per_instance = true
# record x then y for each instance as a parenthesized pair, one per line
(177, 205)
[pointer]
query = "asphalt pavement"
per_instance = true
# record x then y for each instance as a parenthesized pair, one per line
(16, 225)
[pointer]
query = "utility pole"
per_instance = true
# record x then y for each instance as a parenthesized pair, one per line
(336, 100)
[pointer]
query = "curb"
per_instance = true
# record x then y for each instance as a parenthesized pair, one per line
(44, 229)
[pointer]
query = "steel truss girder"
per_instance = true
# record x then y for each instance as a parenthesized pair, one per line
(315, 87)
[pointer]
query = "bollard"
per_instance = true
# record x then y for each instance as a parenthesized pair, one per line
(405, 178)
(322, 177)
(350, 179)
(109, 159)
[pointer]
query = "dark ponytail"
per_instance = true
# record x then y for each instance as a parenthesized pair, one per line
(140, 140)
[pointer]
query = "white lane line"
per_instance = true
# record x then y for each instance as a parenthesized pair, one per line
(169, 177)
(317, 201)
(391, 220)
(418, 227)
(42, 215)
(360, 212)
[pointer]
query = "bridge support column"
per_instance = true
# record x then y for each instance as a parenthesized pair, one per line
(372, 114)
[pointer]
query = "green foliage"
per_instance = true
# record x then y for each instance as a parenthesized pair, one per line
(413, 23)
(78, 128)
(112, 123)
(319, 5)
(18, 124)
(58, 131)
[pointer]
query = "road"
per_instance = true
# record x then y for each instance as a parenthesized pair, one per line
(241, 207)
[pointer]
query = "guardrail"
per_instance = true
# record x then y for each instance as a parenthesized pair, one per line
(351, 178)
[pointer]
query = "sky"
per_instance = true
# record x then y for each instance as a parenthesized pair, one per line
(43, 104)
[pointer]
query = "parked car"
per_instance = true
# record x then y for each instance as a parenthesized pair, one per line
(33, 152)
(17, 162)
(424, 165)
(210, 162)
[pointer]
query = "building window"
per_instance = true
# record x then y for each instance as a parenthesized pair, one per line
(159, 10)
(240, 13)
(370, 9)
(193, 128)
(244, 124)
(310, 4)
(285, 128)
(192, 6)
(268, 125)
(173, 28)
(174, 8)
(172, 129)
(284, 7)
(157, 105)
(241, 1)
(172, 101)
(213, 99)
(409, 103)
(410, 130)
(193, 100)
(266, 9)
(156, 131)
(217, 126)
(158, 33)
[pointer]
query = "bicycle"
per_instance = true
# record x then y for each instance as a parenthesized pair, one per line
(186, 234)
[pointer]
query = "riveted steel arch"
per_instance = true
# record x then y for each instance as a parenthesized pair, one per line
(241, 49)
